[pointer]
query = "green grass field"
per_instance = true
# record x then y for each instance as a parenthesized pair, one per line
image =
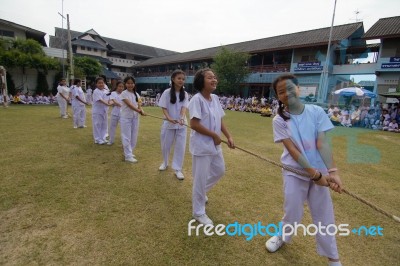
(65, 200)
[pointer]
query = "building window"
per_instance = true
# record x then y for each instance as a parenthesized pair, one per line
(94, 49)
(83, 48)
(6, 33)
(89, 49)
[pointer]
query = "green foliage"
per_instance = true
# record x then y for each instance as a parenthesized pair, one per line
(231, 70)
(26, 54)
(42, 85)
(29, 46)
(86, 66)
(57, 79)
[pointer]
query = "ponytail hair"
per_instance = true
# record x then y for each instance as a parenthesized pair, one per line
(281, 106)
(172, 91)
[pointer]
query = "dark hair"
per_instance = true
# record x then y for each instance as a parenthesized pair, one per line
(275, 83)
(98, 79)
(172, 91)
(118, 82)
(198, 80)
(76, 81)
(134, 88)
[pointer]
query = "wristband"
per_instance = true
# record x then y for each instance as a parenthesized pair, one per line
(318, 178)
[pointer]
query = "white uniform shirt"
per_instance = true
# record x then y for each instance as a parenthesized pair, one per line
(64, 90)
(210, 115)
(303, 131)
(116, 98)
(126, 111)
(99, 107)
(174, 110)
(79, 92)
(74, 101)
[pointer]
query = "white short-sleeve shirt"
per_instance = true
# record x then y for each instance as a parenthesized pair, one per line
(303, 130)
(79, 92)
(127, 112)
(210, 114)
(115, 96)
(174, 110)
(64, 90)
(98, 106)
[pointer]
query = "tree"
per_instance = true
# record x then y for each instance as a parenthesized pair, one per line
(231, 69)
(86, 66)
(26, 54)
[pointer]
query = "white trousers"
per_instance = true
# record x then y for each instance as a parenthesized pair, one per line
(62, 103)
(176, 138)
(207, 170)
(79, 113)
(129, 134)
(99, 127)
(296, 192)
(114, 119)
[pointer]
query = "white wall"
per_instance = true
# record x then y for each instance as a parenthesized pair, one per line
(28, 80)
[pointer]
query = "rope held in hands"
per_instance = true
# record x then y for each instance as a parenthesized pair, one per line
(296, 171)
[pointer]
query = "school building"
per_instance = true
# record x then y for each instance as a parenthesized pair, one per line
(117, 57)
(301, 53)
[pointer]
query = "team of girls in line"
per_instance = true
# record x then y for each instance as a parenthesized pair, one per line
(301, 128)
(125, 109)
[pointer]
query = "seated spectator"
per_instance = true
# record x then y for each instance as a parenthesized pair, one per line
(392, 127)
(266, 111)
(17, 99)
(355, 116)
(335, 118)
(379, 123)
(385, 115)
(330, 110)
(346, 121)
(370, 118)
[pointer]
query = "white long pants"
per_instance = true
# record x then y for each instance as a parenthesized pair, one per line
(79, 115)
(114, 119)
(129, 134)
(62, 103)
(176, 137)
(75, 115)
(99, 127)
(296, 192)
(207, 170)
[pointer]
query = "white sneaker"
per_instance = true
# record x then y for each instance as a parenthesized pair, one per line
(162, 167)
(133, 155)
(179, 175)
(110, 143)
(206, 199)
(274, 243)
(203, 219)
(75, 127)
(65, 116)
(131, 160)
(102, 142)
